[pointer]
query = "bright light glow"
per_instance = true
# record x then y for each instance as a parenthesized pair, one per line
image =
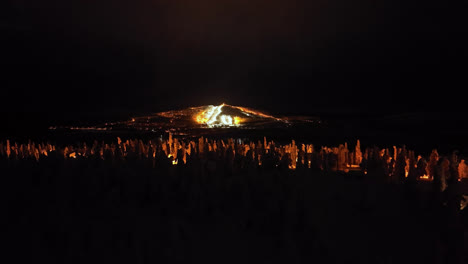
(424, 177)
(237, 120)
(226, 120)
(214, 114)
(212, 117)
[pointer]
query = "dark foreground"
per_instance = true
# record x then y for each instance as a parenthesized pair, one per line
(98, 211)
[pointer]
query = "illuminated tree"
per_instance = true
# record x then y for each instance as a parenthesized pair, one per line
(431, 165)
(358, 153)
(462, 169)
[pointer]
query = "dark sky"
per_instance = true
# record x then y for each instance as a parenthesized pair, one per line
(77, 59)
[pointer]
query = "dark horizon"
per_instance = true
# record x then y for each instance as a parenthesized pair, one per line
(70, 60)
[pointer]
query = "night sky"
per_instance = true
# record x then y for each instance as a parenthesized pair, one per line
(77, 59)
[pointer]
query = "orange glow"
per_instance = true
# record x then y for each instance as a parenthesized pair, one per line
(238, 120)
(209, 116)
(424, 177)
(175, 161)
(200, 118)
(249, 111)
(212, 117)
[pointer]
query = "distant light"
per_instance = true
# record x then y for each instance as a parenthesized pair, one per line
(237, 120)
(214, 114)
(226, 120)
(212, 117)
